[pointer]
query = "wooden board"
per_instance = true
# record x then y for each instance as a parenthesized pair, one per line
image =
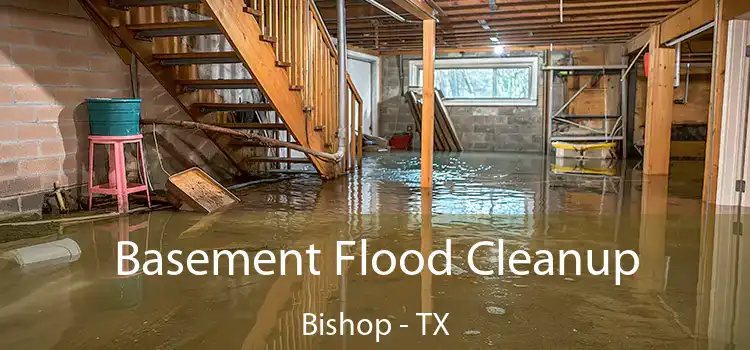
(199, 191)
(446, 139)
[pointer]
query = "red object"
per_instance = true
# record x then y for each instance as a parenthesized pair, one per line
(400, 142)
(118, 183)
(646, 59)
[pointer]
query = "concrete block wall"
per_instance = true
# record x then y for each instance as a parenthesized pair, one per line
(52, 57)
(480, 128)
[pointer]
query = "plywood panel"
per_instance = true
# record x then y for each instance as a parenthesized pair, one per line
(696, 110)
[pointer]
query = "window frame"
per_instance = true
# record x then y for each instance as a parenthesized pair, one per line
(494, 62)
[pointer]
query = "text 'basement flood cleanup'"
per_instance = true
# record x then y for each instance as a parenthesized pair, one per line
(382, 262)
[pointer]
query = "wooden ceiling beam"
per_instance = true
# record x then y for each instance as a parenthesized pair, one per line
(528, 27)
(483, 42)
(508, 37)
(539, 4)
(557, 45)
(568, 6)
(471, 49)
(687, 18)
(589, 29)
(418, 8)
(594, 13)
(526, 23)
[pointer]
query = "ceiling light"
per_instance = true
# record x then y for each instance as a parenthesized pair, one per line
(493, 39)
(498, 50)
(484, 24)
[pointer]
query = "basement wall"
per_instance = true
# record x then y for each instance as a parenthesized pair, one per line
(689, 121)
(497, 129)
(480, 128)
(51, 58)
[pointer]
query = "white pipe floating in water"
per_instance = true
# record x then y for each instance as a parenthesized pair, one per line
(62, 251)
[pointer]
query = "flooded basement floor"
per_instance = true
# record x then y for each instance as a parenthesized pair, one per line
(687, 293)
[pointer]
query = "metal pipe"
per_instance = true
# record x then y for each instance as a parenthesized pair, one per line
(687, 82)
(343, 88)
(678, 56)
(690, 35)
(388, 11)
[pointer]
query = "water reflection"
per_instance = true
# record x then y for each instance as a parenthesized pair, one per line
(688, 292)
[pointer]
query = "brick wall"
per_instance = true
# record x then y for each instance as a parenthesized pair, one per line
(52, 58)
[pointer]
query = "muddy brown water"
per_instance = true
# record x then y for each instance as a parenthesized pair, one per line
(690, 292)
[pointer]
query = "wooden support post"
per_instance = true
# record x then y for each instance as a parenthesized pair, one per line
(659, 102)
(653, 233)
(428, 99)
(426, 250)
(716, 114)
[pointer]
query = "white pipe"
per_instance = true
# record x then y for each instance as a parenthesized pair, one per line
(677, 65)
(690, 35)
(62, 251)
(343, 88)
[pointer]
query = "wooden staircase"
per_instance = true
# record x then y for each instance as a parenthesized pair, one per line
(271, 61)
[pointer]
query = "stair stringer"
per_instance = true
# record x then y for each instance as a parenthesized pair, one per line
(111, 26)
(259, 57)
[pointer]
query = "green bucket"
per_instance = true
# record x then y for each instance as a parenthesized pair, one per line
(114, 116)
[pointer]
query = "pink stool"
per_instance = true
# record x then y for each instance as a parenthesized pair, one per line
(118, 183)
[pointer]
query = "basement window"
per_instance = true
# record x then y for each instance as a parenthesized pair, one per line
(497, 81)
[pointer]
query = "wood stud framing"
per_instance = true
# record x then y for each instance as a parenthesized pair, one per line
(515, 22)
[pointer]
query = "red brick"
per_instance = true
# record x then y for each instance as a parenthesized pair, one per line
(5, 58)
(17, 185)
(16, 76)
(33, 95)
(37, 131)
(40, 165)
(48, 180)
(52, 113)
(72, 60)
(71, 96)
(107, 64)
(4, 18)
(10, 133)
(73, 130)
(51, 40)
(113, 93)
(74, 26)
(8, 170)
(16, 36)
(13, 114)
(6, 94)
(41, 21)
(55, 77)
(33, 57)
(11, 151)
(51, 148)
(92, 44)
(103, 80)
(74, 161)
(76, 10)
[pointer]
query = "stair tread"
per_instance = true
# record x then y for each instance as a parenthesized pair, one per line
(171, 29)
(280, 159)
(219, 83)
(171, 25)
(292, 171)
(213, 54)
(188, 58)
(259, 126)
(147, 3)
(234, 106)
